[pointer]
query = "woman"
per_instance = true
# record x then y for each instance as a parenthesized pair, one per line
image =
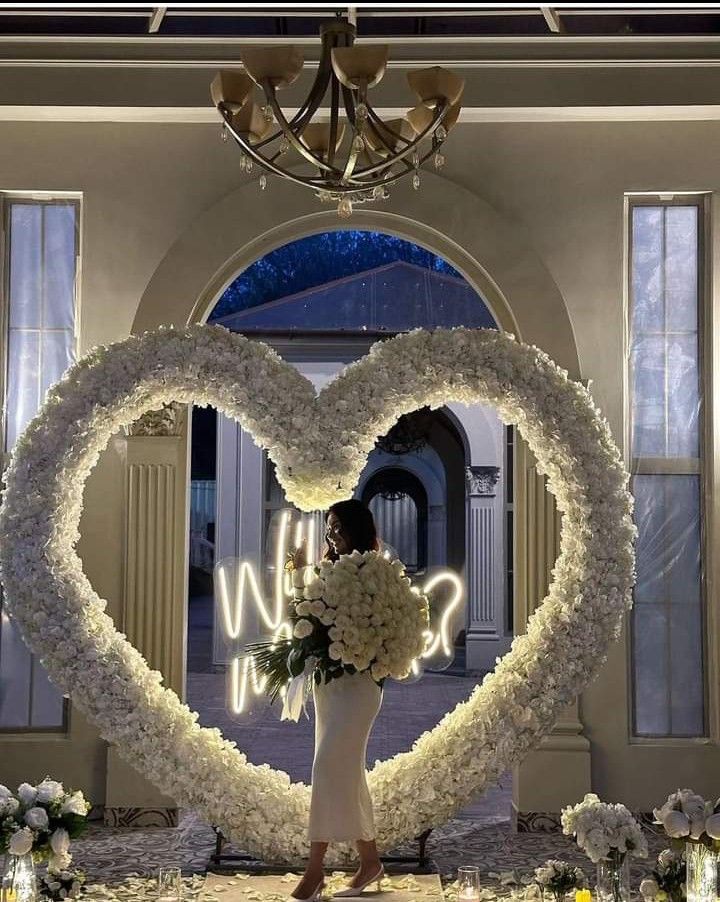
(345, 710)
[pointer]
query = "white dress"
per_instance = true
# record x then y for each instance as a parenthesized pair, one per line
(340, 805)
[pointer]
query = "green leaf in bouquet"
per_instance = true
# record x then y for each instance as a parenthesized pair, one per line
(296, 661)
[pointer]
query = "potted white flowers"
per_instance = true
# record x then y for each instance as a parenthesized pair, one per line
(689, 819)
(37, 824)
(556, 878)
(607, 834)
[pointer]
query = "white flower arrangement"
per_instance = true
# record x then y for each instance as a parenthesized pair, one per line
(688, 816)
(604, 830)
(558, 877)
(319, 445)
(42, 820)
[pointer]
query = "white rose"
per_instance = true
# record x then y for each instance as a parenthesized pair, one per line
(649, 888)
(712, 826)
(21, 841)
(303, 628)
(49, 791)
(676, 824)
(5, 793)
(317, 608)
(59, 862)
(36, 818)
(335, 650)
(303, 609)
(27, 794)
(697, 827)
(75, 804)
(314, 589)
(60, 841)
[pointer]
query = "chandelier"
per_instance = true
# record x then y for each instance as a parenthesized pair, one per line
(352, 155)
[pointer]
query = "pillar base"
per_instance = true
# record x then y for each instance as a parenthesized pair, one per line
(554, 775)
(481, 649)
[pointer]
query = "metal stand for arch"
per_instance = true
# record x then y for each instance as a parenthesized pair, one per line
(222, 862)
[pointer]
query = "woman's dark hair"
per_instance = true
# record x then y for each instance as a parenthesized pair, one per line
(357, 523)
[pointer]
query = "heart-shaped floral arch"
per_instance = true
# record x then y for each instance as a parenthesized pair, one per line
(319, 445)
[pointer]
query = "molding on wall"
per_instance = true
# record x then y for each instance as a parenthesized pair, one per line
(194, 115)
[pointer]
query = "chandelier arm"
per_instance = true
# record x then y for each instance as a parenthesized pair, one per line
(376, 121)
(309, 106)
(349, 103)
(317, 92)
(357, 185)
(291, 137)
(400, 157)
(319, 184)
(334, 116)
(250, 150)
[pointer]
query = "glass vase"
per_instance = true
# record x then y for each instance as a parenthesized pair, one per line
(613, 879)
(702, 872)
(19, 883)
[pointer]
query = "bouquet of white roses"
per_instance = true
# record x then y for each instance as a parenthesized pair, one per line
(42, 820)
(689, 817)
(604, 830)
(359, 613)
(559, 877)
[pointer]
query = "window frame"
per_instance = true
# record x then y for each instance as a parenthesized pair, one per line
(7, 199)
(704, 466)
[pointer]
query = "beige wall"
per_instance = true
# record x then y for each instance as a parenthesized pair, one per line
(556, 187)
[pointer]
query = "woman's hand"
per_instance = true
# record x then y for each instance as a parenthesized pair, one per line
(300, 555)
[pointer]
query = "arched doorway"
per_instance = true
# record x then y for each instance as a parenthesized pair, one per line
(321, 302)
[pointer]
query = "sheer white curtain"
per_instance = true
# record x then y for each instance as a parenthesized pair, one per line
(666, 441)
(40, 340)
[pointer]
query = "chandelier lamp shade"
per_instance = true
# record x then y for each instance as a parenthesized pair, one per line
(350, 155)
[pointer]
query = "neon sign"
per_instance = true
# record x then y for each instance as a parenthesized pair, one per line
(237, 586)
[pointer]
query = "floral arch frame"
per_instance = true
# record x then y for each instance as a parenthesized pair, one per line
(319, 445)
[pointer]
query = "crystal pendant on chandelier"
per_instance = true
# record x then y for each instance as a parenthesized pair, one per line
(345, 208)
(352, 155)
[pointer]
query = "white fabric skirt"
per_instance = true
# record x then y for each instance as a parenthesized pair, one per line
(340, 805)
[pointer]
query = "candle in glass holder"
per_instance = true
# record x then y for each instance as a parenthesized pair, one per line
(468, 884)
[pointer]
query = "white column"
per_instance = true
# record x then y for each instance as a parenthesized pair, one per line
(154, 610)
(485, 638)
(239, 526)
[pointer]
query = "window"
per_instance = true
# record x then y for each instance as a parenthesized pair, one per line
(38, 335)
(350, 281)
(666, 445)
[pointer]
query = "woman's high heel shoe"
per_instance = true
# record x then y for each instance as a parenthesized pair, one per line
(311, 898)
(357, 890)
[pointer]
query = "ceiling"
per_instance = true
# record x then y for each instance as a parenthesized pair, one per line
(391, 21)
